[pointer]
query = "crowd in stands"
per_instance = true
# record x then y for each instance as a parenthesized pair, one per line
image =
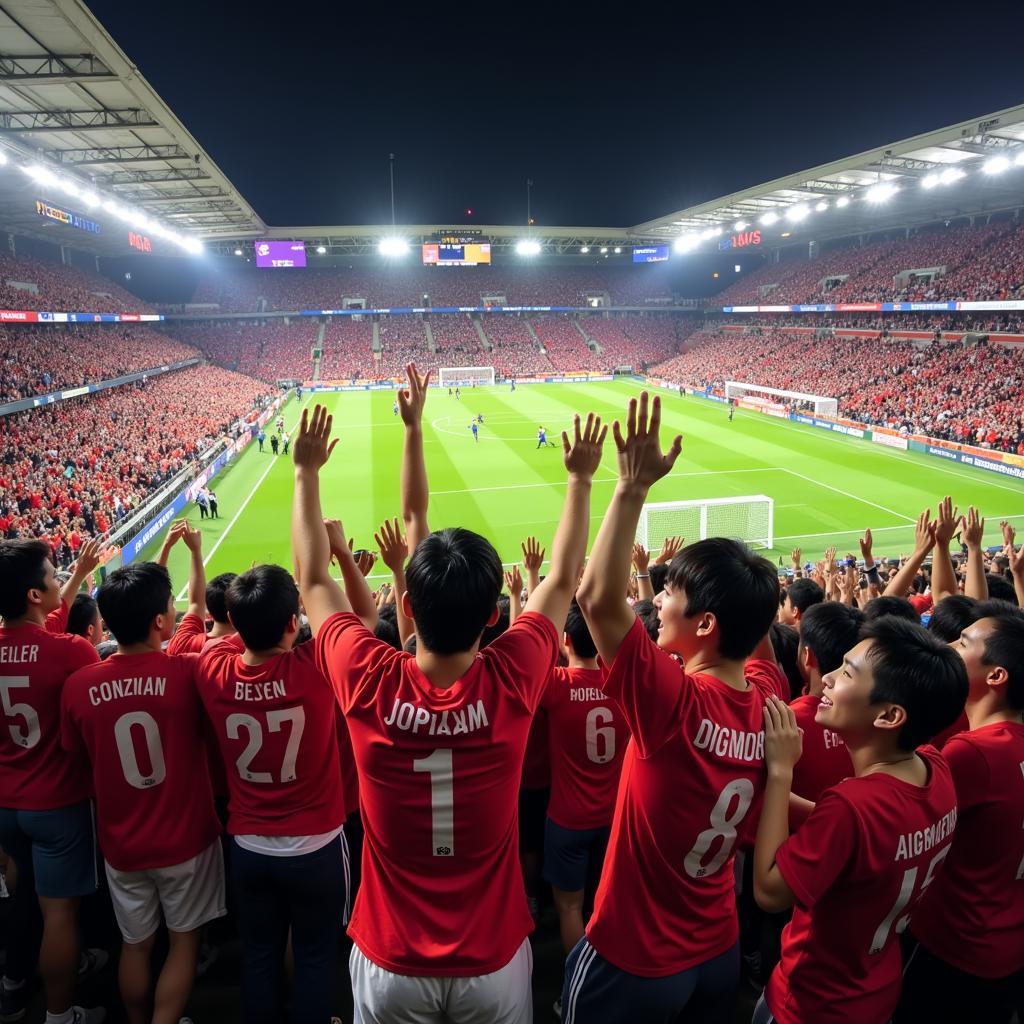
(270, 350)
(563, 344)
(981, 323)
(969, 394)
(74, 469)
(347, 349)
(27, 283)
(514, 351)
(35, 360)
(639, 342)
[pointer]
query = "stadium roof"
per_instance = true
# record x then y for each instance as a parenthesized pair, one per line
(72, 102)
(968, 168)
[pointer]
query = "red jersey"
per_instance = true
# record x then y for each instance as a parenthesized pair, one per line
(959, 726)
(973, 916)
(442, 892)
(537, 759)
(587, 737)
(824, 761)
(666, 901)
(274, 724)
(858, 866)
(191, 637)
(139, 719)
(57, 620)
(35, 773)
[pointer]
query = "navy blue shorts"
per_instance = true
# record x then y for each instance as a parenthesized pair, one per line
(569, 854)
(597, 992)
(58, 847)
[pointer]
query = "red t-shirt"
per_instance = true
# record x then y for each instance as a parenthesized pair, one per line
(959, 726)
(537, 759)
(191, 637)
(973, 916)
(275, 726)
(587, 736)
(139, 719)
(666, 901)
(35, 773)
(824, 760)
(57, 620)
(442, 892)
(857, 866)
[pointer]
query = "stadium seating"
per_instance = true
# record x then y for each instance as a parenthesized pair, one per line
(515, 352)
(271, 350)
(347, 349)
(27, 283)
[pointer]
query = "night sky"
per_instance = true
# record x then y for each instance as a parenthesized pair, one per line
(618, 113)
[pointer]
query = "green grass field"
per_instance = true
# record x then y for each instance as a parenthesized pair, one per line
(827, 488)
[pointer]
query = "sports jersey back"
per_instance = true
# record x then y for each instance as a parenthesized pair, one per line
(35, 773)
(442, 892)
(696, 764)
(139, 719)
(275, 726)
(587, 737)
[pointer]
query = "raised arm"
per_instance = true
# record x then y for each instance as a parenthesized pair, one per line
(311, 448)
(924, 541)
(174, 534)
(642, 562)
(602, 593)
(1017, 570)
(394, 551)
(947, 522)
(356, 588)
(514, 582)
(84, 567)
(582, 457)
(975, 585)
(415, 490)
(196, 572)
(533, 559)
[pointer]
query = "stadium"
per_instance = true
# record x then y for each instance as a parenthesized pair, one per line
(839, 349)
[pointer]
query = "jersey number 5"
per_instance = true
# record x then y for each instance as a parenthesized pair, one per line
(29, 736)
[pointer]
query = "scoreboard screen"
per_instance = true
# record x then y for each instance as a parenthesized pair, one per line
(457, 251)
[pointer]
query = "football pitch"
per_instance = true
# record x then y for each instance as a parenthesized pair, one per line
(827, 488)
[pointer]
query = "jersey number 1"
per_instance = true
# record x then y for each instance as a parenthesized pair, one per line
(442, 799)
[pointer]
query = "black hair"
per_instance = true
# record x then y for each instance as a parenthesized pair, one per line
(304, 635)
(216, 596)
(916, 670)
(131, 597)
(491, 633)
(887, 605)
(577, 630)
(739, 588)
(1004, 647)
(262, 602)
(951, 616)
(648, 615)
(453, 581)
(786, 643)
(659, 573)
(804, 593)
(1000, 588)
(387, 629)
(81, 614)
(829, 630)
(993, 607)
(22, 568)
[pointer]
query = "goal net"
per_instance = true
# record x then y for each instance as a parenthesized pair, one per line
(750, 519)
(449, 376)
(771, 398)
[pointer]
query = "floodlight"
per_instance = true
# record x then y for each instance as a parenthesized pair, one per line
(393, 247)
(843, 201)
(618, 248)
(769, 218)
(951, 174)
(995, 165)
(822, 206)
(65, 185)
(41, 174)
(321, 249)
(707, 233)
(930, 181)
(528, 247)
(192, 245)
(740, 225)
(584, 248)
(686, 243)
(797, 213)
(736, 267)
(604, 250)
(3, 158)
(1019, 161)
(881, 192)
(90, 199)
(238, 252)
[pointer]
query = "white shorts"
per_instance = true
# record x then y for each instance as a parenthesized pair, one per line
(381, 997)
(189, 894)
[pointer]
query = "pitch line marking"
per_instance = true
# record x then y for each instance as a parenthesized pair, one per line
(849, 494)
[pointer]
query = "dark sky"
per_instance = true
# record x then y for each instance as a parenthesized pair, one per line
(619, 113)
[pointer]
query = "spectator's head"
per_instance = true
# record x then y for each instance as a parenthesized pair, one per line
(1000, 588)
(263, 605)
(951, 616)
(28, 581)
(648, 615)
(453, 578)
(216, 597)
(137, 605)
(387, 626)
(827, 632)
(800, 595)
(786, 643)
(896, 689)
(719, 600)
(84, 619)
(992, 650)
(578, 640)
(887, 605)
(659, 573)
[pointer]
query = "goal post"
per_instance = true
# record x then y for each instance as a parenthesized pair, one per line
(823, 405)
(449, 376)
(750, 519)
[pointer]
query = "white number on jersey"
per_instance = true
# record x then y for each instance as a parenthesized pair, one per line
(296, 716)
(723, 826)
(28, 736)
(126, 749)
(597, 731)
(442, 799)
(906, 894)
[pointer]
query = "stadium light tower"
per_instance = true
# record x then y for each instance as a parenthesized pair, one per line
(392, 246)
(527, 247)
(881, 192)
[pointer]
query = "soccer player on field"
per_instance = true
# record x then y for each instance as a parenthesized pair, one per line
(273, 714)
(664, 929)
(138, 718)
(441, 922)
(476, 431)
(874, 843)
(966, 958)
(45, 812)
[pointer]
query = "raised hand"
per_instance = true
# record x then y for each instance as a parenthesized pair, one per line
(392, 545)
(365, 562)
(830, 559)
(974, 528)
(669, 549)
(641, 558)
(865, 547)
(583, 455)
(88, 558)
(312, 445)
(335, 534)
(1009, 533)
(412, 399)
(783, 739)
(192, 537)
(947, 521)
(1016, 559)
(514, 580)
(924, 533)
(641, 460)
(533, 555)
(795, 557)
